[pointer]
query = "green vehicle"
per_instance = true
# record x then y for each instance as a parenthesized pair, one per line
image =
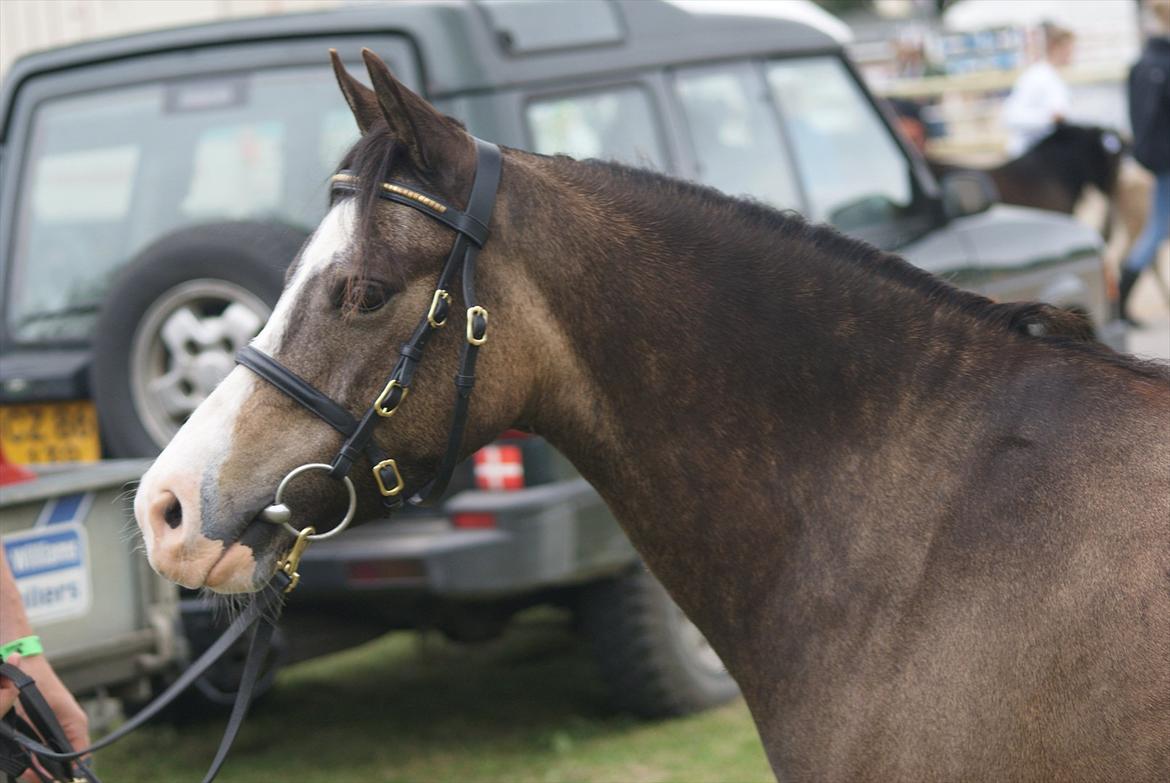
(154, 188)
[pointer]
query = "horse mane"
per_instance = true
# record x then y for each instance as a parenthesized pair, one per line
(376, 153)
(1061, 329)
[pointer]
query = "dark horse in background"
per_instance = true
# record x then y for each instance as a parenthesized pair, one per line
(929, 542)
(1055, 173)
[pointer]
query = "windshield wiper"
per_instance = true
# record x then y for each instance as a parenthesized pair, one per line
(46, 315)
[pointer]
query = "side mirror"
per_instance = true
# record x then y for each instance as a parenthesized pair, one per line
(967, 193)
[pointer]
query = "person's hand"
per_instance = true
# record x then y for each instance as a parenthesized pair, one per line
(9, 693)
(72, 718)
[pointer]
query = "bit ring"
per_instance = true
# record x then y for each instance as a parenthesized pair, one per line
(349, 513)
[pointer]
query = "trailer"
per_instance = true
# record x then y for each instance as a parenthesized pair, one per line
(108, 623)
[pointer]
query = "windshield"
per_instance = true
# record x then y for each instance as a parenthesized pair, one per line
(800, 133)
(110, 172)
(735, 135)
(609, 123)
(854, 174)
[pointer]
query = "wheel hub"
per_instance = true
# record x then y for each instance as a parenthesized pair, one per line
(185, 346)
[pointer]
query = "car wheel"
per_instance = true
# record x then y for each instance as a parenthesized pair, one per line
(173, 321)
(654, 660)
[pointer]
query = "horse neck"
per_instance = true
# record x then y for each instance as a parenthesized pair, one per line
(725, 368)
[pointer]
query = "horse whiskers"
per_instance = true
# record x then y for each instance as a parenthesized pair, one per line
(130, 532)
(226, 607)
(132, 535)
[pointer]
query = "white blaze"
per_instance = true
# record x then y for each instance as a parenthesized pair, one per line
(204, 440)
(332, 236)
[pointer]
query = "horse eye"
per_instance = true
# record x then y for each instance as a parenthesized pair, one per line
(371, 297)
(365, 296)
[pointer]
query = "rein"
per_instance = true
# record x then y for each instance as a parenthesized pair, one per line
(471, 227)
(60, 760)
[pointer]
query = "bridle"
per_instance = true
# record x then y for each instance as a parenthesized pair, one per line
(471, 227)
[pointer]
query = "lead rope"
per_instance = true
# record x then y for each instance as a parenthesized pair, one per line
(60, 759)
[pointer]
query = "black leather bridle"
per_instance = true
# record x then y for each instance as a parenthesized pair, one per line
(471, 227)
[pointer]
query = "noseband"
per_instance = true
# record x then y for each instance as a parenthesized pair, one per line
(471, 227)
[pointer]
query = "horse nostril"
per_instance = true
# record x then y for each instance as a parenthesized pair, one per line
(173, 513)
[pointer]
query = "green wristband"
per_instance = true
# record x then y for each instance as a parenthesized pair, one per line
(26, 646)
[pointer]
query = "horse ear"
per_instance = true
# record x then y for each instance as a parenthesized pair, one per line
(361, 99)
(429, 138)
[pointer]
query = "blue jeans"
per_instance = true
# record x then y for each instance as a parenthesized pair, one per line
(1145, 250)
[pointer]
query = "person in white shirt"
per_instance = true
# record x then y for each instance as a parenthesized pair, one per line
(1040, 97)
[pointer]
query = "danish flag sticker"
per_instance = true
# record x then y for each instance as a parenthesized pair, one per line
(499, 468)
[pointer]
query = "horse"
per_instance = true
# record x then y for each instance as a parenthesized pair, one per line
(929, 541)
(1055, 173)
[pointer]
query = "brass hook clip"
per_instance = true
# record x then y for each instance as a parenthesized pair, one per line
(292, 560)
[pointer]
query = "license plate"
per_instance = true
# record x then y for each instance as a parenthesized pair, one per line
(50, 432)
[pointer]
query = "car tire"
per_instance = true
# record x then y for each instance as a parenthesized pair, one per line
(655, 662)
(173, 321)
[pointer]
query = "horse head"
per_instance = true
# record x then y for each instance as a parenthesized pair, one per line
(353, 296)
(1092, 151)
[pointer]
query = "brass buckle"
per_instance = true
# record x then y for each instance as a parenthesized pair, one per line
(440, 294)
(292, 560)
(471, 313)
(398, 482)
(388, 412)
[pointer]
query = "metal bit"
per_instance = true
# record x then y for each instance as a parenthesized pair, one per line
(277, 514)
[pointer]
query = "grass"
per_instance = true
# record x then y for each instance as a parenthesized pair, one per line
(528, 707)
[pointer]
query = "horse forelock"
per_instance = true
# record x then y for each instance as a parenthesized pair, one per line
(375, 158)
(370, 160)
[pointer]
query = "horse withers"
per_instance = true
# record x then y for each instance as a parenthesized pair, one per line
(928, 534)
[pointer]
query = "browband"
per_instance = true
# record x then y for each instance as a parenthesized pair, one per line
(463, 222)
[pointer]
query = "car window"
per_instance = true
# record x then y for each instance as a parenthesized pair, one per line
(735, 134)
(853, 173)
(610, 124)
(109, 172)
